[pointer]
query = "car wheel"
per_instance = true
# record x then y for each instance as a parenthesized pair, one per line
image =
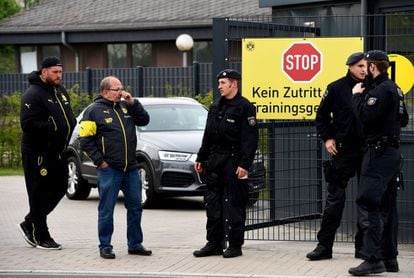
(78, 188)
(147, 182)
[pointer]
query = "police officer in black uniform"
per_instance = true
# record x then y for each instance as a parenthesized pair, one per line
(337, 127)
(380, 108)
(47, 122)
(227, 151)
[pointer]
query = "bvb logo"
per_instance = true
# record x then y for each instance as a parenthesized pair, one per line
(250, 46)
(43, 172)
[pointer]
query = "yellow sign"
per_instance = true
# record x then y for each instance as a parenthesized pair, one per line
(401, 71)
(286, 78)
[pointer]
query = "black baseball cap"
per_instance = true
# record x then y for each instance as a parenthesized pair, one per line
(229, 73)
(354, 58)
(51, 61)
(376, 55)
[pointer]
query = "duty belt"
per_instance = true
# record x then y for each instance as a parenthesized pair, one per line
(383, 143)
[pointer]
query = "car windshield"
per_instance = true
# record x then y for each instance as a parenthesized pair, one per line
(175, 118)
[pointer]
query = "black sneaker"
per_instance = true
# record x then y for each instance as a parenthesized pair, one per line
(320, 253)
(142, 251)
(107, 253)
(209, 249)
(367, 267)
(49, 244)
(27, 231)
(232, 252)
(391, 265)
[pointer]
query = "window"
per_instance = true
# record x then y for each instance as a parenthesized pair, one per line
(28, 58)
(50, 50)
(141, 54)
(203, 52)
(117, 56)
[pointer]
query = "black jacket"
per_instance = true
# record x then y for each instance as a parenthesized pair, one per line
(381, 110)
(108, 132)
(334, 118)
(231, 124)
(46, 118)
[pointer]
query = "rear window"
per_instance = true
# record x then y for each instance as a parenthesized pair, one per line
(175, 118)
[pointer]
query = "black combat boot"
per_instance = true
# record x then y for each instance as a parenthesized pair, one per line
(210, 249)
(232, 252)
(367, 267)
(391, 265)
(320, 253)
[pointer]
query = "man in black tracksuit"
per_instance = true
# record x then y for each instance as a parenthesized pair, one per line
(47, 122)
(227, 151)
(337, 127)
(381, 110)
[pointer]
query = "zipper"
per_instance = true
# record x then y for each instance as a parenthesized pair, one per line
(66, 118)
(125, 139)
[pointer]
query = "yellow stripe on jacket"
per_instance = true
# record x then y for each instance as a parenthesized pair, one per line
(87, 128)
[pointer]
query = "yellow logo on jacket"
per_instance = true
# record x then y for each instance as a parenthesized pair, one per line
(108, 120)
(124, 110)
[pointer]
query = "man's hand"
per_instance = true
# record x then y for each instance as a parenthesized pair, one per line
(103, 165)
(128, 97)
(358, 88)
(242, 173)
(330, 146)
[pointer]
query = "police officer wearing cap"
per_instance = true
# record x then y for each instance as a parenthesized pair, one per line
(228, 148)
(380, 108)
(337, 127)
(47, 121)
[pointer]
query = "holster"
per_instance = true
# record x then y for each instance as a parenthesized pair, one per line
(328, 171)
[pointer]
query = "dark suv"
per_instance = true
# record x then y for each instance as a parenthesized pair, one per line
(166, 151)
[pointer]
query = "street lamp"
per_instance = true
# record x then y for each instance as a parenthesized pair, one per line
(184, 43)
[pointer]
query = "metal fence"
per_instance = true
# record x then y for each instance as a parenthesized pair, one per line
(141, 81)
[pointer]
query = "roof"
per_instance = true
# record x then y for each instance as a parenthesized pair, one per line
(107, 15)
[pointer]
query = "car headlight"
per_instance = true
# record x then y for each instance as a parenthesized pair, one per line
(174, 156)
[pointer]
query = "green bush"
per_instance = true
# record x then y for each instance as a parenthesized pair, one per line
(10, 132)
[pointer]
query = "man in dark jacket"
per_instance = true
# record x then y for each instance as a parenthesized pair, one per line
(47, 122)
(337, 127)
(380, 108)
(108, 136)
(227, 151)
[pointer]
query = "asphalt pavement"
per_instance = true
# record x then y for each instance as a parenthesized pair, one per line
(172, 231)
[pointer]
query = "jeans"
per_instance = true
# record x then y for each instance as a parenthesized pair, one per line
(110, 181)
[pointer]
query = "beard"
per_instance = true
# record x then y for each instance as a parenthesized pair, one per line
(53, 82)
(369, 78)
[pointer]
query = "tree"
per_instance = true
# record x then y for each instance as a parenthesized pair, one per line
(7, 52)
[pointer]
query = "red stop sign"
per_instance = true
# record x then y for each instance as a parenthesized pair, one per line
(302, 62)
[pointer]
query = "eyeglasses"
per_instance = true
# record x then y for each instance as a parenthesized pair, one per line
(116, 90)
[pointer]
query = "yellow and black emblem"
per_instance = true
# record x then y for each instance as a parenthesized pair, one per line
(43, 172)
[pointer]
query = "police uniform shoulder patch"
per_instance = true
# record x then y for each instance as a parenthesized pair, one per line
(251, 121)
(371, 101)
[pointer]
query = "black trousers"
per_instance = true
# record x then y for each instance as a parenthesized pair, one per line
(377, 202)
(226, 200)
(346, 164)
(46, 179)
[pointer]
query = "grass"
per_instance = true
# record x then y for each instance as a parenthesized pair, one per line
(11, 171)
